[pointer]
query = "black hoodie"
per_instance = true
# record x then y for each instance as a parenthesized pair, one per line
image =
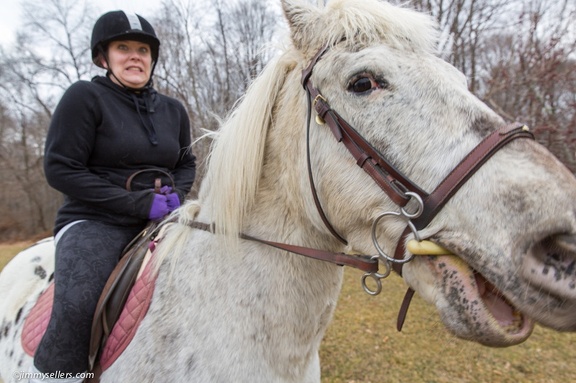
(101, 134)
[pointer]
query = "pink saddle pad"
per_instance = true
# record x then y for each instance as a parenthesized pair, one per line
(124, 330)
(134, 311)
(37, 321)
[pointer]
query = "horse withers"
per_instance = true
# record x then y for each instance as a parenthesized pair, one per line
(229, 309)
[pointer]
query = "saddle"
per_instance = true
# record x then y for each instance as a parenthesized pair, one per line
(119, 286)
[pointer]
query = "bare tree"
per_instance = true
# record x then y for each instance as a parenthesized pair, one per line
(31, 81)
(210, 53)
(253, 26)
(58, 32)
(465, 25)
(531, 73)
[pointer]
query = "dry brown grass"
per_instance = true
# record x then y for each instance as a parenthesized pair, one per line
(362, 344)
(8, 250)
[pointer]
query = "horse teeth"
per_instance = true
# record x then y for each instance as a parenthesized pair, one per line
(516, 324)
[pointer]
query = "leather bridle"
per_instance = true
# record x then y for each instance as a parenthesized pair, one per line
(399, 188)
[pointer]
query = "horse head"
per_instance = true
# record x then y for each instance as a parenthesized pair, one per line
(510, 228)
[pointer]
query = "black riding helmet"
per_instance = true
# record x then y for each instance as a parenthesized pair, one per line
(118, 25)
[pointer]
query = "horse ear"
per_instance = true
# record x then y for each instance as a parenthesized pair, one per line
(301, 18)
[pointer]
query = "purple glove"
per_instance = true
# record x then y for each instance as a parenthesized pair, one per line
(172, 201)
(166, 190)
(159, 207)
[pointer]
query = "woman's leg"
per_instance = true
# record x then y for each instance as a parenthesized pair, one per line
(86, 254)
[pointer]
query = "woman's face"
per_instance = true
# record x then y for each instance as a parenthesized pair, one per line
(130, 61)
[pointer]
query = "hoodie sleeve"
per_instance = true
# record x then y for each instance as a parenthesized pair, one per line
(185, 170)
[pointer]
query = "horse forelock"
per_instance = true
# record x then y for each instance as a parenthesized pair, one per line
(360, 23)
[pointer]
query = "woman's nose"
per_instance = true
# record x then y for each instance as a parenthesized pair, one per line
(134, 55)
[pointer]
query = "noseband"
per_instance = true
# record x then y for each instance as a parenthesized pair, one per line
(399, 188)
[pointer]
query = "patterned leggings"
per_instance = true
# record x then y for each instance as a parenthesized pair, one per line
(86, 254)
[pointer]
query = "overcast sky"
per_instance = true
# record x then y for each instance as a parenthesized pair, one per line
(11, 18)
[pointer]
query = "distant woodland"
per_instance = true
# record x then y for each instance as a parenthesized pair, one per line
(519, 57)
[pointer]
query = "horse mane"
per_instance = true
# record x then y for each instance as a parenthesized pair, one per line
(237, 154)
(236, 158)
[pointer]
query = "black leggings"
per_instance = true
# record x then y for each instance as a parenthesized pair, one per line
(86, 254)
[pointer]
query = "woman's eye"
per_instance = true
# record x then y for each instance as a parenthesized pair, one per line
(366, 84)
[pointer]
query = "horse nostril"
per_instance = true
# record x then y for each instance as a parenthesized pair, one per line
(559, 257)
(566, 242)
(549, 267)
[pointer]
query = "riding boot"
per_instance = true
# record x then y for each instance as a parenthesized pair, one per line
(38, 377)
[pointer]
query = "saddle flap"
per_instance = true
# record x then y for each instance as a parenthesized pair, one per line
(134, 312)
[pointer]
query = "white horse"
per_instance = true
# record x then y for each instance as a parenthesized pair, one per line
(226, 309)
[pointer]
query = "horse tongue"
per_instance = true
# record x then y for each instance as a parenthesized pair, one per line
(502, 311)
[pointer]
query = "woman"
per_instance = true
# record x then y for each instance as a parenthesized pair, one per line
(108, 142)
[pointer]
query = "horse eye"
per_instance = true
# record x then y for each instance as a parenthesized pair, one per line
(361, 85)
(366, 83)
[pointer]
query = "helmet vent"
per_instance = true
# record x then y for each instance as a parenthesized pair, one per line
(134, 21)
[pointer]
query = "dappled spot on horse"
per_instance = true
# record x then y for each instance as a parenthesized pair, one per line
(5, 329)
(18, 315)
(245, 311)
(39, 271)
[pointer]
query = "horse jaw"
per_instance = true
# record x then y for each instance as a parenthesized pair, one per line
(469, 306)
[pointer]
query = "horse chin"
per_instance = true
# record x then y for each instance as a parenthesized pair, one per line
(472, 308)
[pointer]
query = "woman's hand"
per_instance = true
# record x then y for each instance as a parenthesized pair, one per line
(164, 203)
(159, 207)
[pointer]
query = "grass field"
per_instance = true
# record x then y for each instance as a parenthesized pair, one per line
(362, 344)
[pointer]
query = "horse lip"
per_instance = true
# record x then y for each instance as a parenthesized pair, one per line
(488, 317)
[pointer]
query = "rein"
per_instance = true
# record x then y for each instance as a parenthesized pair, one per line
(365, 263)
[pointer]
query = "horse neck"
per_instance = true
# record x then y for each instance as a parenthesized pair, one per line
(282, 209)
(287, 297)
